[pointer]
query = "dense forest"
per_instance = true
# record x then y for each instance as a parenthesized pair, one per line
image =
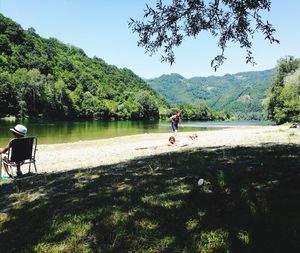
(46, 78)
(283, 101)
(241, 94)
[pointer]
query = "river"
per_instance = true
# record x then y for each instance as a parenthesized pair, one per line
(49, 132)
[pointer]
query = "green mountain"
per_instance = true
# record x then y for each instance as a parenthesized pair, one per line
(46, 78)
(241, 93)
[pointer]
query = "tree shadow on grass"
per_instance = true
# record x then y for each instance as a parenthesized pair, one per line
(249, 202)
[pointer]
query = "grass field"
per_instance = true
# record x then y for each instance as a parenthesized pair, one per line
(249, 202)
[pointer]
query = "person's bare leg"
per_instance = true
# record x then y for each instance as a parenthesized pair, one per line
(5, 167)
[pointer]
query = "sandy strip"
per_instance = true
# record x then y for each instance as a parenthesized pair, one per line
(87, 154)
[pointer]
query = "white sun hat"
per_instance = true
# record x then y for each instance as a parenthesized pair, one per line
(19, 129)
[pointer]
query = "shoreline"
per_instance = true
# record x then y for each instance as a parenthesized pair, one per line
(93, 153)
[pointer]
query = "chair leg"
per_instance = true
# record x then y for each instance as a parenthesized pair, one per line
(35, 167)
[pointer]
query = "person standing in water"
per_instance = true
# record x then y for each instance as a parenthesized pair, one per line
(175, 119)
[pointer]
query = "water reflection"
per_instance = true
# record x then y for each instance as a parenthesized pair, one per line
(71, 131)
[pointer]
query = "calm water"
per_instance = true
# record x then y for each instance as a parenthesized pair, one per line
(70, 131)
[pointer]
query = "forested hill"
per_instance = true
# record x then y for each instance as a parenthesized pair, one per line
(241, 93)
(44, 77)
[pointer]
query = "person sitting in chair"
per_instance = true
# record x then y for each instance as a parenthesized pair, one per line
(19, 131)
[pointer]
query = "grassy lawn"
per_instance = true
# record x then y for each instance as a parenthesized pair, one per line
(249, 202)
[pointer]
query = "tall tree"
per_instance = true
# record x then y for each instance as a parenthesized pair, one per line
(290, 97)
(165, 26)
(286, 66)
(8, 96)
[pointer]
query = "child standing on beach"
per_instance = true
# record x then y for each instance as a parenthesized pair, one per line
(175, 119)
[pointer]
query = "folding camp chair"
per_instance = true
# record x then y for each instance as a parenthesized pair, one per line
(21, 151)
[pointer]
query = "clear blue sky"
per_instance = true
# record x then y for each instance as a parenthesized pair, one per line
(100, 28)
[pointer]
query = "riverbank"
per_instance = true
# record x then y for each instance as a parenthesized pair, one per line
(242, 196)
(88, 154)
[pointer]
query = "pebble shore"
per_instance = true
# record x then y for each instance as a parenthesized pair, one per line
(89, 154)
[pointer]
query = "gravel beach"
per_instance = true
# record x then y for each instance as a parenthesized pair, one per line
(88, 154)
